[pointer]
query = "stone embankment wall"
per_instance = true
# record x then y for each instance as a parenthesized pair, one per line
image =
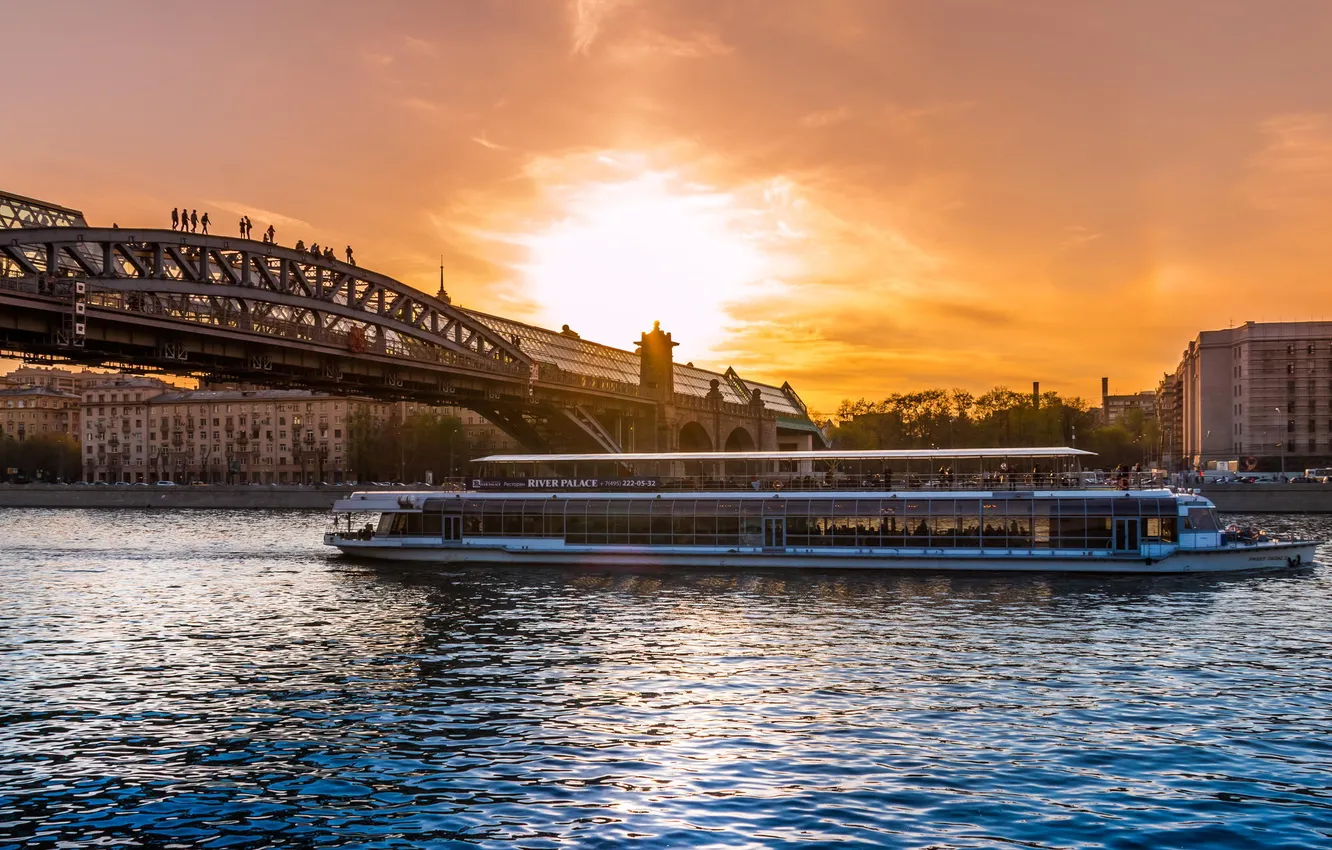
(259, 498)
(1271, 498)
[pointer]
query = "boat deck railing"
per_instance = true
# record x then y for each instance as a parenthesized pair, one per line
(844, 483)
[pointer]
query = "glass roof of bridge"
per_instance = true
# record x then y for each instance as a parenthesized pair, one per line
(582, 357)
(18, 211)
(569, 353)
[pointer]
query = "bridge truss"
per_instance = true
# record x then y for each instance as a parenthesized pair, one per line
(253, 289)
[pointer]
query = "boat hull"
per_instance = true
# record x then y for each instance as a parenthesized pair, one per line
(1265, 557)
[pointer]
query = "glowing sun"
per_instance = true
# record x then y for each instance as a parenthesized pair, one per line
(625, 252)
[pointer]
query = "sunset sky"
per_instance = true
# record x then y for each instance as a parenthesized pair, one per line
(858, 197)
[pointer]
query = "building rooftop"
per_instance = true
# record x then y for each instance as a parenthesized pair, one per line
(239, 395)
(583, 357)
(16, 392)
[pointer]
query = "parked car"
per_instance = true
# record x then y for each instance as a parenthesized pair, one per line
(1302, 479)
(165, 483)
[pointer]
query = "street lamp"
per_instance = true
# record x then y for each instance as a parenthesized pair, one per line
(1282, 444)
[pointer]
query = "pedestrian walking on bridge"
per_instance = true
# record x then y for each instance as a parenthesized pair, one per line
(272, 234)
(194, 220)
(175, 217)
(351, 261)
(204, 222)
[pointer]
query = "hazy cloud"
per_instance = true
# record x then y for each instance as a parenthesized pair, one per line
(256, 214)
(1292, 172)
(826, 117)
(486, 143)
(588, 16)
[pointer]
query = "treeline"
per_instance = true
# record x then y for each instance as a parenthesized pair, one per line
(41, 457)
(1000, 418)
(405, 450)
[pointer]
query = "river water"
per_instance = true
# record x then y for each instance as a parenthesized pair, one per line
(217, 679)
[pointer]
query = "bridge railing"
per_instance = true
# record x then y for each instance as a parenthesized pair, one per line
(729, 407)
(553, 374)
(197, 312)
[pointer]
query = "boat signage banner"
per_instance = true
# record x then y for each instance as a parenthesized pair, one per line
(561, 484)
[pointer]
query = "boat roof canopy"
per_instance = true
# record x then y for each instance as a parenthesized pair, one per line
(834, 454)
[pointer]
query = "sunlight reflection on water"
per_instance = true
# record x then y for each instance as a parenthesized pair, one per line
(217, 678)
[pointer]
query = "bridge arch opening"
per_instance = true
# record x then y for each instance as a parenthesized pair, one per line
(694, 438)
(739, 440)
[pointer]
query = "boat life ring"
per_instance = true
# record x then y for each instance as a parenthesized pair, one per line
(1250, 463)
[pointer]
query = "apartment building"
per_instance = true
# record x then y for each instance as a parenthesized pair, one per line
(1260, 393)
(27, 411)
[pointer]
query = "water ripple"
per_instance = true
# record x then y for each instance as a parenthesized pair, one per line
(215, 679)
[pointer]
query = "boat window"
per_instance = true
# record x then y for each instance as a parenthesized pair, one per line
(1100, 532)
(1127, 507)
(553, 513)
(617, 521)
(796, 507)
(1068, 507)
(1201, 519)
(1100, 507)
(596, 521)
(1159, 529)
(432, 524)
(532, 522)
(513, 518)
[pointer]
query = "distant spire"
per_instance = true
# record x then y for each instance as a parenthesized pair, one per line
(442, 295)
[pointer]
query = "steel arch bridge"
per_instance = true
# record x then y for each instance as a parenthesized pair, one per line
(227, 308)
(277, 297)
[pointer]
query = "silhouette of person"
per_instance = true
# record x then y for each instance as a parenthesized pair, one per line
(314, 248)
(204, 222)
(194, 220)
(249, 228)
(175, 217)
(351, 261)
(241, 225)
(300, 244)
(272, 234)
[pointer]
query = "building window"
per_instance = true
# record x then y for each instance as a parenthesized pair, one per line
(1290, 349)
(1290, 387)
(1312, 426)
(1290, 368)
(1290, 426)
(1309, 349)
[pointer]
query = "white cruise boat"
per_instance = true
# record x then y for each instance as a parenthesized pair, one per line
(957, 509)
